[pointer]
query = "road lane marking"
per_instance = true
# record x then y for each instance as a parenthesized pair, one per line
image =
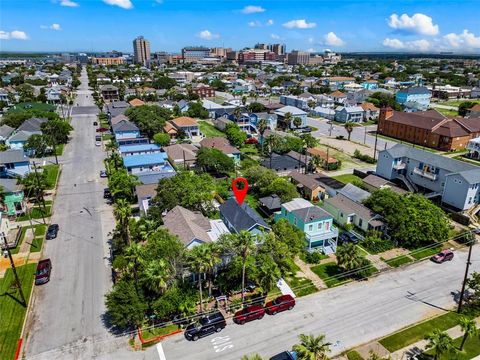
(221, 343)
(161, 354)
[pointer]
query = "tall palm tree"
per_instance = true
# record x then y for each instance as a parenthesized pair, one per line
(147, 228)
(272, 141)
(243, 245)
(312, 347)
(348, 257)
(262, 126)
(134, 254)
(469, 328)
(287, 119)
(440, 342)
(159, 274)
(349, 127)
(267, 276)
(197, 263)
(212, 258)
(122, 212)
(237, 112)
(244, 100)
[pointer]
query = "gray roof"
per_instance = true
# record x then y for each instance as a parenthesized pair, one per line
(271, 202)
(471, 176)
(348, 206)
(32, 124)
(354, 193)
(442, 162)
(415, 90)
(290, 109)
(5, 131)
(13, 156)
(10, 185)
(21, 136)
(187, 225)
(153, 177)
(311, 213)
(124, 125)
(242, 217)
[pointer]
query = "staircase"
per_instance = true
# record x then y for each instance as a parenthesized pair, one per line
(410, 185)
(472, 214)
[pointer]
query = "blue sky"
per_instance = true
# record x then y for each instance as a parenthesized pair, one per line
(348, 25)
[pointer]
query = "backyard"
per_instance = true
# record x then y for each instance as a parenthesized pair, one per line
(209, 130)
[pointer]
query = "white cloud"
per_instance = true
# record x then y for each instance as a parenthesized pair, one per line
(207, 35)
(68, 3)
(415, 45)
(275, 36)
(124, 4)
(332, 39)
(255, 23)
(269, 22)
(252, 9)
(13, 35)
(299, 24)
(416, 24)
(55, 27)
(466, 40)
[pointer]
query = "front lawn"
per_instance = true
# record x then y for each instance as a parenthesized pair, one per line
(330, 273)
(37, 212)
(12, 312)
(424, 253)
(51, 174)
(209, 130)
(301, 286)
(354, 355)
(152, 333)
(470, 350)
(26, 106)
(398, 261)
(418, 332)
(347, 178)
(59, 149)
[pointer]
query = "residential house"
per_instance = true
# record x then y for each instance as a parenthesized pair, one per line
(370, 85)
(138, 149)
(222, 144)
(125, 130)
(14, 203)
(136, 102)
(221, 123)
(307, 186)
(348, 212)
(296, 101)
(18, 140)
(315, 222)
(188, 125)
(170, 130)
(5, 132)
(473, 148)
(338, 97)
(145, 193)
(116, 108)
(192, 228)
(285, 163)
(269, 205)
(14, 163)
(353, 114)
(156, 162)
(295, 113)
(373, 182)
(415, 98)
(354, 193)
(53, 95)
(475, 94)
(428, 128)
(455, 182)
(203, 91)
(474, 111)
(370, 111)
(337, 82)
(323, 155)
(182, 154)
(241, 217)
(324, 101)
(326, 113)
(109, 92)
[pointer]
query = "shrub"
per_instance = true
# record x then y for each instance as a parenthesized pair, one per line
(375, 244)
(314, 257)
(364, 157)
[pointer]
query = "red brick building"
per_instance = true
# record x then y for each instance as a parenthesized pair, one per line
(428, 128)
(204, 91)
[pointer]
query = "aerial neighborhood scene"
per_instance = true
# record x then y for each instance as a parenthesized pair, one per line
(196, 180)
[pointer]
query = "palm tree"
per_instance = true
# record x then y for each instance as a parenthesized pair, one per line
(116, 159)
(297, 122)
(147, 228)
(122, 212)
(312, 347)
(262, 126)
(2, 197)
(212, 259)
(267, 276)
(349, 127)
(316, 162)
(158, 274)
(197, 262)
(272, 142)
(287, 119)
(469, 328)
(348, 257)
(311, 104)
(440, 342)
(134, 254)
(237, 112)
(244, 100)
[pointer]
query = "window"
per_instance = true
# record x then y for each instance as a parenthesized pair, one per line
(294, 221)
(310, 227)
(360, 222)
(319, 225)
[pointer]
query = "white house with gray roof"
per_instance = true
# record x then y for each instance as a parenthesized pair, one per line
(456, 182)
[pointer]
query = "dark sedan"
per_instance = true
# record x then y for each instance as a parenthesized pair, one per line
(52, 231)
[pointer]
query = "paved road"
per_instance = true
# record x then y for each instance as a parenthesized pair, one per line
(351, 314)
(68, 310)
(360, 134)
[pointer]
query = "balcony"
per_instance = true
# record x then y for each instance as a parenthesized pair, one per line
(425, 174)
(399, 165)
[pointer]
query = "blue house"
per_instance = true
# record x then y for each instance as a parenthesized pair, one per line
(295, 112)
(14, 163)
(370, 85)
(125, 130)
(139, 149)
(146, 163)
(241, 217)
(414, 98)
(316, 223)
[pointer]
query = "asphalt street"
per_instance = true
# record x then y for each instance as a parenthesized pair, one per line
(68, 311)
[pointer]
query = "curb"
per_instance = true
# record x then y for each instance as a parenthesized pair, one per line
(19, 346)
(156, 338)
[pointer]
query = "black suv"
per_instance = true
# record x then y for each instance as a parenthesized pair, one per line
(52, 231)
(347, 237)
(106, 193)
(207, 325)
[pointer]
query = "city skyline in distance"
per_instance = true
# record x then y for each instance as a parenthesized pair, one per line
(93, 26)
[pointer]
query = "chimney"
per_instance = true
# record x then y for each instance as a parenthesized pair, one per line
(385, 113)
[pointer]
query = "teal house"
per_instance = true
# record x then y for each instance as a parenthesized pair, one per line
(13, 204)
(316, 223)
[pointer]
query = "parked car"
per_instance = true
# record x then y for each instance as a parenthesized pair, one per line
(98, 137)
(249, 313)
(281, 303)
(98, 143)
(44, 268)
(286, 355)
(52, 231)
(442, 256)
(214, 322)
(347, 237)
(106, 193)
(103, 174)
(251, 140)
(102, 129)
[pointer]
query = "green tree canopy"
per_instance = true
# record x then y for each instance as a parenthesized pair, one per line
(196, 110)
(215, 161)
(150, 119)
(235, 135)
(161, 139)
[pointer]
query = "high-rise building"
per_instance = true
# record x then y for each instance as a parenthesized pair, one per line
(298, 57)
(141, 51)
(278, 49)
(195, 53)
(255, 55)
(261, 46)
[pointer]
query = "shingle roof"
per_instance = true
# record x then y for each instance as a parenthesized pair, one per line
(187, 225)
(312, 213)
(13, 156)
(184, 121)
(5, 131)
(242, 217)
(271, 202)
(219, 143)
(305, 180)
(348, 206)
(354, 193)
(146, 191)
(32, 124)
(124, 125)
(10, 185)
(21, 136)
(290, 109)
(181, 151)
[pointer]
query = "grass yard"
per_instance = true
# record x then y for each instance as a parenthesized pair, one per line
(457, 102)
(59, 149)
(330, 273)
(301, 286)
(39, 231)
(37, 213)
(51, 172)
(354, 355)
(464, 159)
(12, 312)
(209, 130)
(398, 261)
(31, 106)
(151, 333)
(447, 112)
(16, 249)
(106, 137)
(417, 332)
(470, 350)
(424, 253)
(347, 178)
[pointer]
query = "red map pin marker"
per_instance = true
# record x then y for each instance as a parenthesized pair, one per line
(240, 193)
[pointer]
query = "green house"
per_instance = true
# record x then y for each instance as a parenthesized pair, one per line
(316, 223)
(14, 198)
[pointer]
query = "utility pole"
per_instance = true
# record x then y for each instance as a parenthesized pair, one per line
(365, 135)
(38, 188)
(460, 302)
(12, 264)
(375, 147)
